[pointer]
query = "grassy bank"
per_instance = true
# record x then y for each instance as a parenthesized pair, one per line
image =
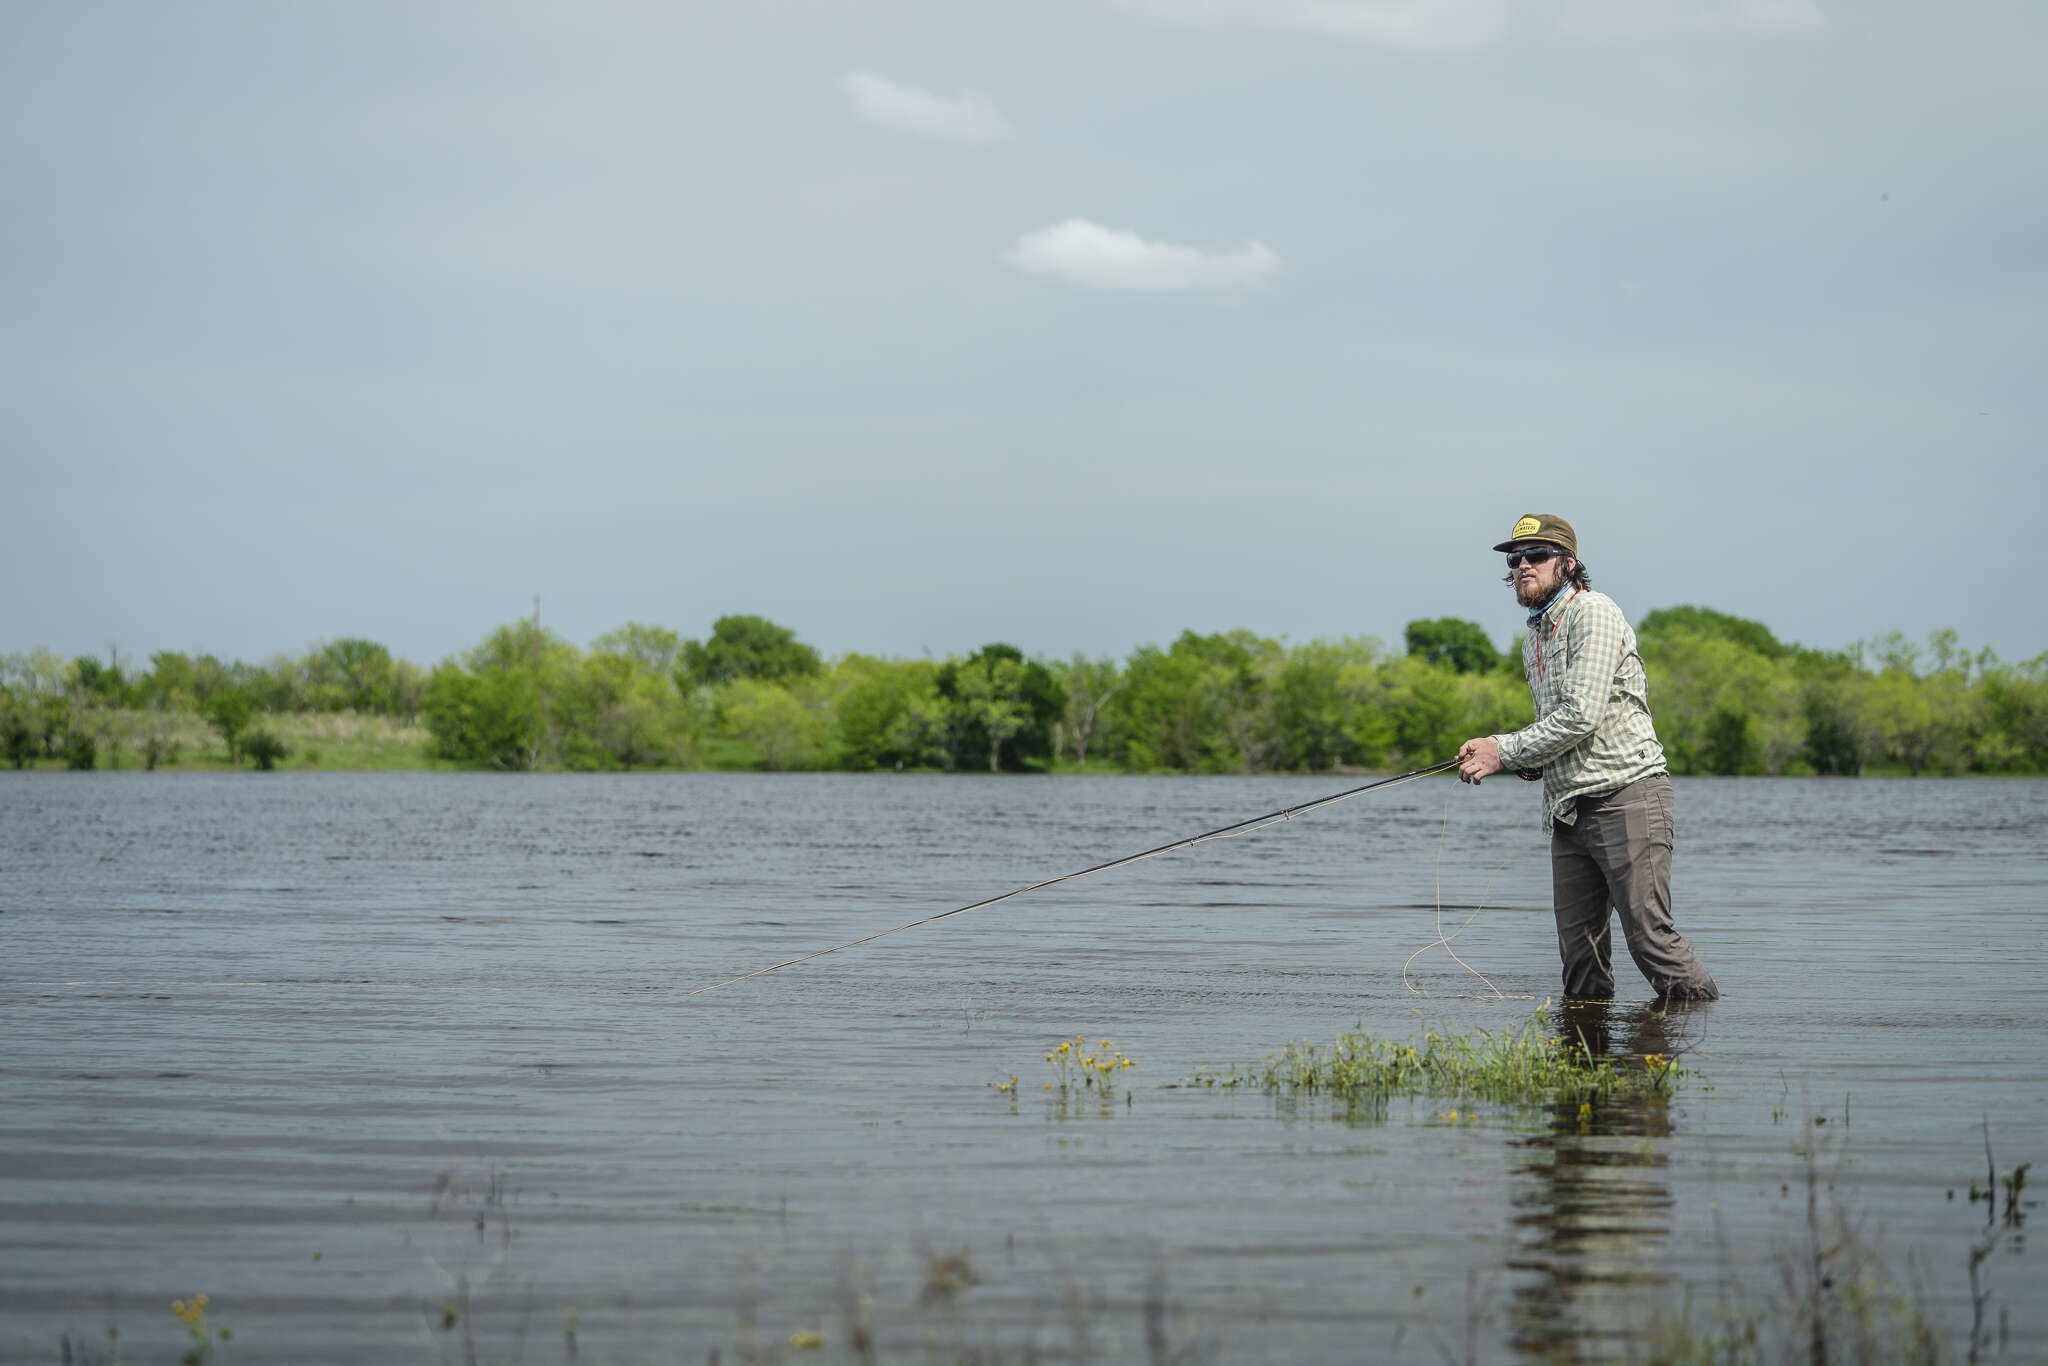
(183, 741)
(347, 741)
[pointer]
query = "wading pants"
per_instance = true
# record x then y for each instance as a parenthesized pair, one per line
(1618, 856)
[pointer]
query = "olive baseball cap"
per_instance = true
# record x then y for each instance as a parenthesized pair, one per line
(1543, 526)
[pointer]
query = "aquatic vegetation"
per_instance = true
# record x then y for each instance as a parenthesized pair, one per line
(1527, 1065)
(1077, 1067)
(192, 1313)
(947, 1276)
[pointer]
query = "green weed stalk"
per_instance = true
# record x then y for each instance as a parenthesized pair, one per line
(1525, 1065)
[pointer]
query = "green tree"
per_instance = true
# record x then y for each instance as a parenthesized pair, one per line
(927, 730)
(1716, 702)
(263, 747)
(1462, 644)
(1037, 692)
(53, 719)
(361, 674)
(747, 647)
(229, 711)
(37, 714)
(408, 689)
(551, 668)
(98, 684)
(888, 712)
(789, 733)
(1733, 742)
(1933, 721)
(16, 735)
(1170, 717)
(1834, 736)
(492, 718)
(1495, 704)
(210, 676)
(1202, 705)
(1704, 621)
(2015, 703)
(655, 650)
(992, 703)
(1316, 700)
(81, 750)
(282, 685)
(1428, 710)
(1090, 685)
(1894, 653)
(1902, 719)
(627, 715)
(170, 684)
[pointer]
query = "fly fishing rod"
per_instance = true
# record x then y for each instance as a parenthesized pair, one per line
(1243, 827)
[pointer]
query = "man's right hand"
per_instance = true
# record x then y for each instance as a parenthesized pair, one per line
(1478, 758)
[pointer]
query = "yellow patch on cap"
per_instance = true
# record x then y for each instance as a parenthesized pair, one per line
(1528, 526)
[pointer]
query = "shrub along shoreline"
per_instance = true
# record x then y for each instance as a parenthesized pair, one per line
(1729, 698)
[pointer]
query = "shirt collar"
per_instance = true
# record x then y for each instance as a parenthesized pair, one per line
(1557, 600)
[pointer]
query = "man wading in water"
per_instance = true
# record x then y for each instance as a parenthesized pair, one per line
(1605, 790)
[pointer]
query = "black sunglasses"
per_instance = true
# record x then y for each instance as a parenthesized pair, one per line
(1535, 554)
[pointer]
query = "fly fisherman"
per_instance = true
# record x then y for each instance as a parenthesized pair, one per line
(1605, 790)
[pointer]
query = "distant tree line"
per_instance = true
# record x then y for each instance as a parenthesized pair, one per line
(1729, 697)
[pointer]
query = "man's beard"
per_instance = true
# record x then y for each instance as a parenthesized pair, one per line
(1535, 593)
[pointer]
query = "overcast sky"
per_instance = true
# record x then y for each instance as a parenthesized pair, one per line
(1069, 323)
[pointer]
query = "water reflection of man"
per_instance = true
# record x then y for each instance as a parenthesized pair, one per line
(1605, 790)
(1592, 1202)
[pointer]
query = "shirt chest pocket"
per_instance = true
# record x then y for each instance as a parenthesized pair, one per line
(1551, 664)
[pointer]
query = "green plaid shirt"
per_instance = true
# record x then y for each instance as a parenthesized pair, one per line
(1593, 733)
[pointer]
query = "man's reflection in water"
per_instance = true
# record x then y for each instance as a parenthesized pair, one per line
(1591, 1203)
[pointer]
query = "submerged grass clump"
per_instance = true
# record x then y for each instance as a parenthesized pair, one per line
(1527, 1065)
(1076, 1066)
(192, 1313)
(1079, 1068)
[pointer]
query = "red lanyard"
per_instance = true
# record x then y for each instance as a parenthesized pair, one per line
(1553, 633)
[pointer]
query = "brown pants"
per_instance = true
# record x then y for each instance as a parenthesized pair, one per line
(1618, 856)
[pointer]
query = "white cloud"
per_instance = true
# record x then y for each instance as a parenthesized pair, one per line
(1089, 254)
(1420, 25)
(969, 118)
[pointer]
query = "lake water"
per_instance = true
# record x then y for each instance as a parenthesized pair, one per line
(406, 1067)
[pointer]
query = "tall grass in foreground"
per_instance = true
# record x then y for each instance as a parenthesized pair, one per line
(1524, 1065)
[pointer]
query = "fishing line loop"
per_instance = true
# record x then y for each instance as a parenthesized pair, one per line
(1445, 941)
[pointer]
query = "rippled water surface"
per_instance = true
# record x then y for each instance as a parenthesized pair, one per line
(404, 1067)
